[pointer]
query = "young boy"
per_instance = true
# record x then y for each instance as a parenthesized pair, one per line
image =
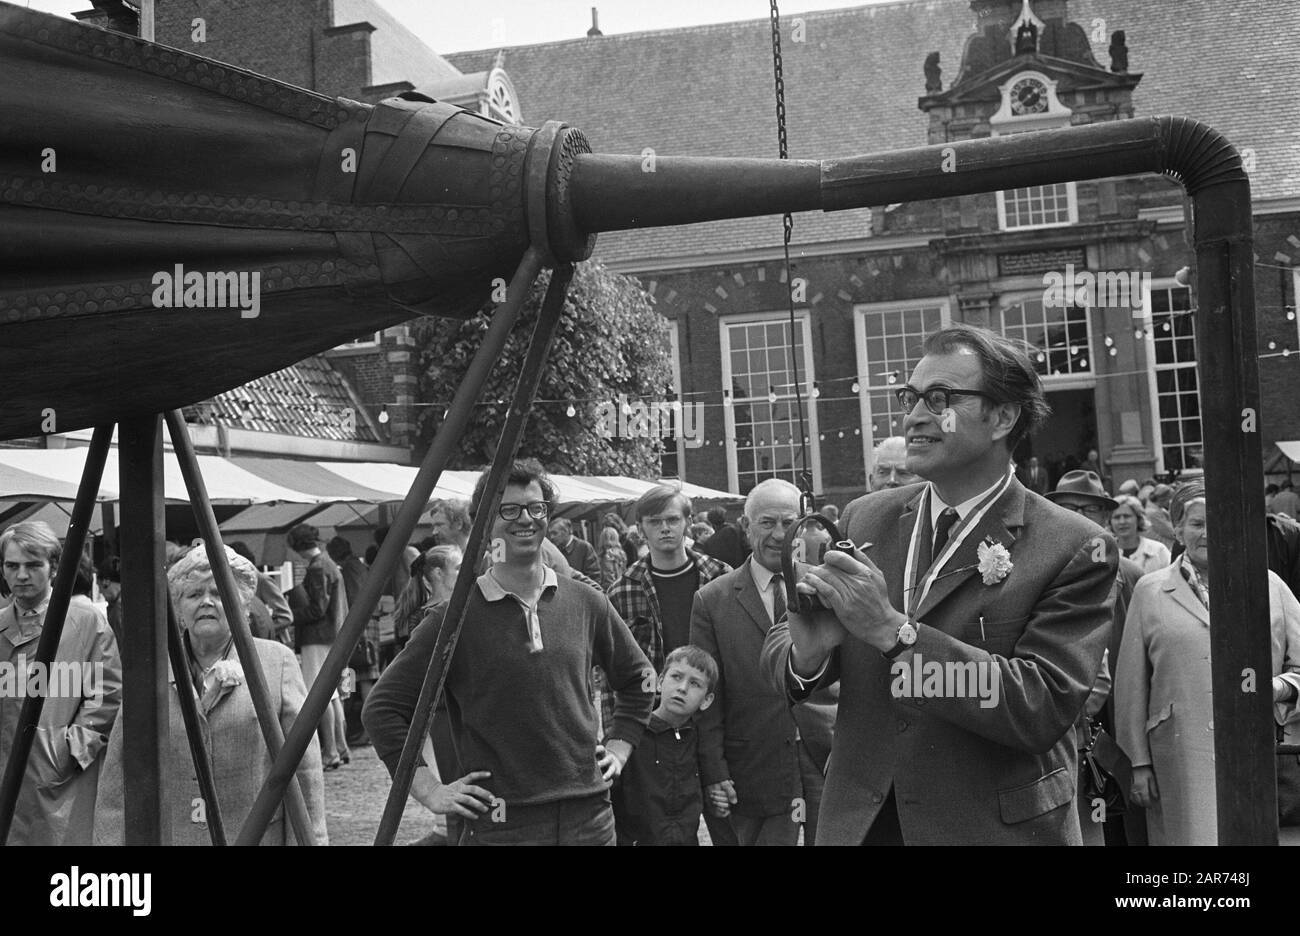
(658, 799)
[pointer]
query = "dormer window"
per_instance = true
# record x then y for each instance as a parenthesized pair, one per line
(501, 102)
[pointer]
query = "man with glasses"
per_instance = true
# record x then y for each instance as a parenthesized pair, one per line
(761, 760)
(523, 722)
(973, 575)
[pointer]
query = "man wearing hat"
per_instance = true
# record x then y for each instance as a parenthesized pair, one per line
(1082, 492)
(1158, 526)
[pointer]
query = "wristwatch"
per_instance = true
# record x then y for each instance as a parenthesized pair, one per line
(906, 638)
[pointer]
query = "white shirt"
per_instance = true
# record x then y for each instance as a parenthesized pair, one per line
(937, 505)
(765, 580)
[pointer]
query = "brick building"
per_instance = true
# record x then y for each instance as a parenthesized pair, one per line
(1119, 370)
(1120, 373)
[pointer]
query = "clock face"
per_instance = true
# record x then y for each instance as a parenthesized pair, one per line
(1028, 96)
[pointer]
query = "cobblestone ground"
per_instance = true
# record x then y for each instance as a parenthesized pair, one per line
(354, 803)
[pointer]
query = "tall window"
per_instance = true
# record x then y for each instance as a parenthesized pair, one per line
(762, 420)
(1061, 334)
(889, 337)
(671, 456)
(1038, 206)
(1172, 344)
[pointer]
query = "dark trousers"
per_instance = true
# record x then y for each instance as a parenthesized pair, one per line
(585, 820)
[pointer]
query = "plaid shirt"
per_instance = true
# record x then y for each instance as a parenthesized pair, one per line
(634, 598)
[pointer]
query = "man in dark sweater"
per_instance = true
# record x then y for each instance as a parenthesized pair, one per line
(519, 691)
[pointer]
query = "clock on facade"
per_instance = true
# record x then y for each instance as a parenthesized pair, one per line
(1028, 96)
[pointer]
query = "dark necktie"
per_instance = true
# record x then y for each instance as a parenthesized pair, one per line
(941, 529)
(778, 597)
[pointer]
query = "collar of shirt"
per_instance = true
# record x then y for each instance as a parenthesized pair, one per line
(937, 505)
(493, 591)
(762, 576)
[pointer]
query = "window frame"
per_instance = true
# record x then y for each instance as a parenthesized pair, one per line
(1153, 368)
(864, 367)
(1054, 382)
(807, 377)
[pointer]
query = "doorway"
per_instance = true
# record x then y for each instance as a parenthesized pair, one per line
(1062, 442)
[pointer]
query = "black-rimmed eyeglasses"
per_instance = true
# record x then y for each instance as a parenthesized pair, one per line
(937, 399)
(538, 510)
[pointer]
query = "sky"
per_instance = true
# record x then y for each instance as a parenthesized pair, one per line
(460, 26)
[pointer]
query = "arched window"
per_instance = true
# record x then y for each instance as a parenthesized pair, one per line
(502, 104)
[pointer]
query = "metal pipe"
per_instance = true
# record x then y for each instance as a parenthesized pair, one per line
(193, 729)
(511, 432)
(267, 718)
(444, 443)
(52, 627)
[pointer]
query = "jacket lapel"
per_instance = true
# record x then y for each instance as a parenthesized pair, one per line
(1183, 594)
(1007, 514)
(750, 598)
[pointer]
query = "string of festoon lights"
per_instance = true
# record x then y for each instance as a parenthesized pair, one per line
(1076, 362)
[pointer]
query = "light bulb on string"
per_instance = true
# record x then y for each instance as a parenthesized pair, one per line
(893, 377)
(816, 390)
(856, 387)
(1290, 316)
(1083, 362)
(771, 394)
(570, 411)
(1113, 352)
(383, 415)
(1041, 357)
(1272, 345)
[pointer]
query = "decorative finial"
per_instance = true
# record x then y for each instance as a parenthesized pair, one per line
(1025, 31)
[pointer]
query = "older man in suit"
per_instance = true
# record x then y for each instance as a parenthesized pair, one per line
(958, 690)
(761, 762)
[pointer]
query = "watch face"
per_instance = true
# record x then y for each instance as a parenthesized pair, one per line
(1028, 96)
(907, 634)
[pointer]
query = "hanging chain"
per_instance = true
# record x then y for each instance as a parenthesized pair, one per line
(787, 222)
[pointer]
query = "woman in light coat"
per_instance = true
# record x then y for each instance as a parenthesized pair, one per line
(232, 737)
(1164, 710)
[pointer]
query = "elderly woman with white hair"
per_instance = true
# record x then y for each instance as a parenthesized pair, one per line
(1164, 709)
(231, 734)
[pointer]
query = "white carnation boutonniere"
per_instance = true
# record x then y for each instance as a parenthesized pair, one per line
(995, 562)
(227, 673)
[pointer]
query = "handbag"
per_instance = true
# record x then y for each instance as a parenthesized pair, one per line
(364, 655)
(1109, 773)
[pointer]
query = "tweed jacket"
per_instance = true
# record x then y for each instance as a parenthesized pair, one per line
(965, 771)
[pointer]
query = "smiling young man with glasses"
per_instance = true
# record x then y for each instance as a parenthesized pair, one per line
(519, 690)
(968, 571)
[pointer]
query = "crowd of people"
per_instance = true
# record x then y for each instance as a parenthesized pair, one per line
(675, 671)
